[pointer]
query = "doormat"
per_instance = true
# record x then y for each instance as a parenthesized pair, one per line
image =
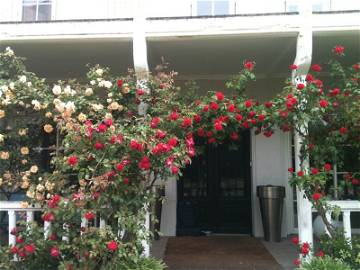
(218, 253)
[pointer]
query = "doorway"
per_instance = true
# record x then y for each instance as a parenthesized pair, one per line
(214, 193)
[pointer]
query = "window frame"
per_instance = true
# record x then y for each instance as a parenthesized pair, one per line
(37, 4)
(231, 9)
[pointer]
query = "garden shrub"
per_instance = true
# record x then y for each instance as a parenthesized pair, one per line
(325, 263)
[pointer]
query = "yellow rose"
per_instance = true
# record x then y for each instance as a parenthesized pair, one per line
(24, 161)
(25, 184)
(24, 150)
(82, 117)
(4, 155)
(34, 169)
(30, 194)
(22, 131)
(48, 128)
(48, 115)
(40, 197)
(2, 113)
(126, 88)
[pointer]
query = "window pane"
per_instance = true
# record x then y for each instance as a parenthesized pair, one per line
(317, 7)
(29, 13)
(204, 8)
(221, 7)
(44, 13)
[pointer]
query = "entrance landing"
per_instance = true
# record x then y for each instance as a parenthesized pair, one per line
(218, 253)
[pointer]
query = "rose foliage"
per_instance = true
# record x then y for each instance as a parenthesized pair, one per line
(92, 151)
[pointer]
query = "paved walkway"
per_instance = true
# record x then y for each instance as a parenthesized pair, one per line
(224, 253)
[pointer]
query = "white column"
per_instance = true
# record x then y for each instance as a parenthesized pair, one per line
(12, 225)
(47, 226)
(328, 217)
(142, 70)
(347, 224)
(303, 61)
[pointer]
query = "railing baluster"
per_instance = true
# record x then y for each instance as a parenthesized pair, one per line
(47, 226)
(347, 224)
(12, 225)
(328, 217)
(102, 223)
(29, 216)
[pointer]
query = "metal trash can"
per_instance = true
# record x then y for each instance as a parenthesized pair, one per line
(271, 206)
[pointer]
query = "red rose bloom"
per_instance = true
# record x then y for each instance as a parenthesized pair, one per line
(119, 83)
(320, 254)
(290, 170)
(73, 160)
(234, 136)
(300, 86)
(268, 104)
(154, 122)
(89, 215)
(309, 78)
(295, 240)
(145, 164)
(238, 117)
(323, 103)
(102, 128)
(119, 167)
(160, 134)
(19, 240)
(201, 132)
(355, 182)
(300, 173)
(339, 50)
(14, 250)
(30, 248)
(293, 67)
(248, 103)
(174, 116)
(205, 108)
(220, 96)
(249, 65)
(186, 122)
(140, 92)
(214, 106)
(327, 167)
(49, 216)
(54, 251)
(218, 126)
(335, 92)
(197, 118)
(99, 146)
(343, 130)
(172, 141)
(316, 196)
(174, 170)
(314, 171)
(316, 67)
(297, 262)
(304, 250)
(126, 181)
(112, 245)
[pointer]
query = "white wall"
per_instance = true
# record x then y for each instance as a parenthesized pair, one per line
(10, 10)
(271, 157)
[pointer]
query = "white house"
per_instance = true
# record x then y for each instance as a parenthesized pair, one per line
(206, 41)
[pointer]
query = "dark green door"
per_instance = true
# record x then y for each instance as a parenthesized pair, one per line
(214, 193)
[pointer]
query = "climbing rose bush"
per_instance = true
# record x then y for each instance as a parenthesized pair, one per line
(109, 140)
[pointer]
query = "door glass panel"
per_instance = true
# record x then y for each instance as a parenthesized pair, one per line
(44, 13)
(204, 8)
(29, 10)
(195, 179)
(221, 7)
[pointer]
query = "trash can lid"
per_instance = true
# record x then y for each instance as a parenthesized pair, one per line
(270, 191)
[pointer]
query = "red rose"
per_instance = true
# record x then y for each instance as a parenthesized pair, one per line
(300, 86)
(205, 108)
(309, 78)
(231, 107)
(261, 117)
(335, 92)
(30, 248)
(248, 103)
(234, 136)
(268, 133)
(355, 182)
(245, 124)
(283, 114)
(295, 240)
(14, 250)
(218, 126)
(73, 160)
(172, 141)
(214, 106)
(268, 104)
(112, 245)
(323, 103)
(300, 173)
(145, 164)
(316, 196)
(297, 262)
(102, 128)
(119, 83)
(290, 170)
(249, 65)
(49, 216)
(19, 240)
(174, 170)
(304, 250)
(343, 130)
(238, 117)
(54, 251)
(126, 181)
(201, 132)
(140, 92)
(197, 118)
(99, 146)
(320, 254)
(316, 67)
(356, 67)
(314, 171)
(220, 96)
(53, 237)
(154, 122)
(174, 116)
(186, 122)
(119, 167)
(160, 134)
(293, 67)
(327, 167)
(339, 50)
(89, 215)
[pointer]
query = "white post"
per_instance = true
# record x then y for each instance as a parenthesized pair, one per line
(12, 225)
(347, 224)
(142, 71)
(328, 217)
(47, 226)
(102, 223)
(29, 216)
(303, 61)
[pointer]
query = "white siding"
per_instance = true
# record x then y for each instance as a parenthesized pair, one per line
(10, 10)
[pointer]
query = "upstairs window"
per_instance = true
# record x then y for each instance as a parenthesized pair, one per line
(36, 10)
(214, 7)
